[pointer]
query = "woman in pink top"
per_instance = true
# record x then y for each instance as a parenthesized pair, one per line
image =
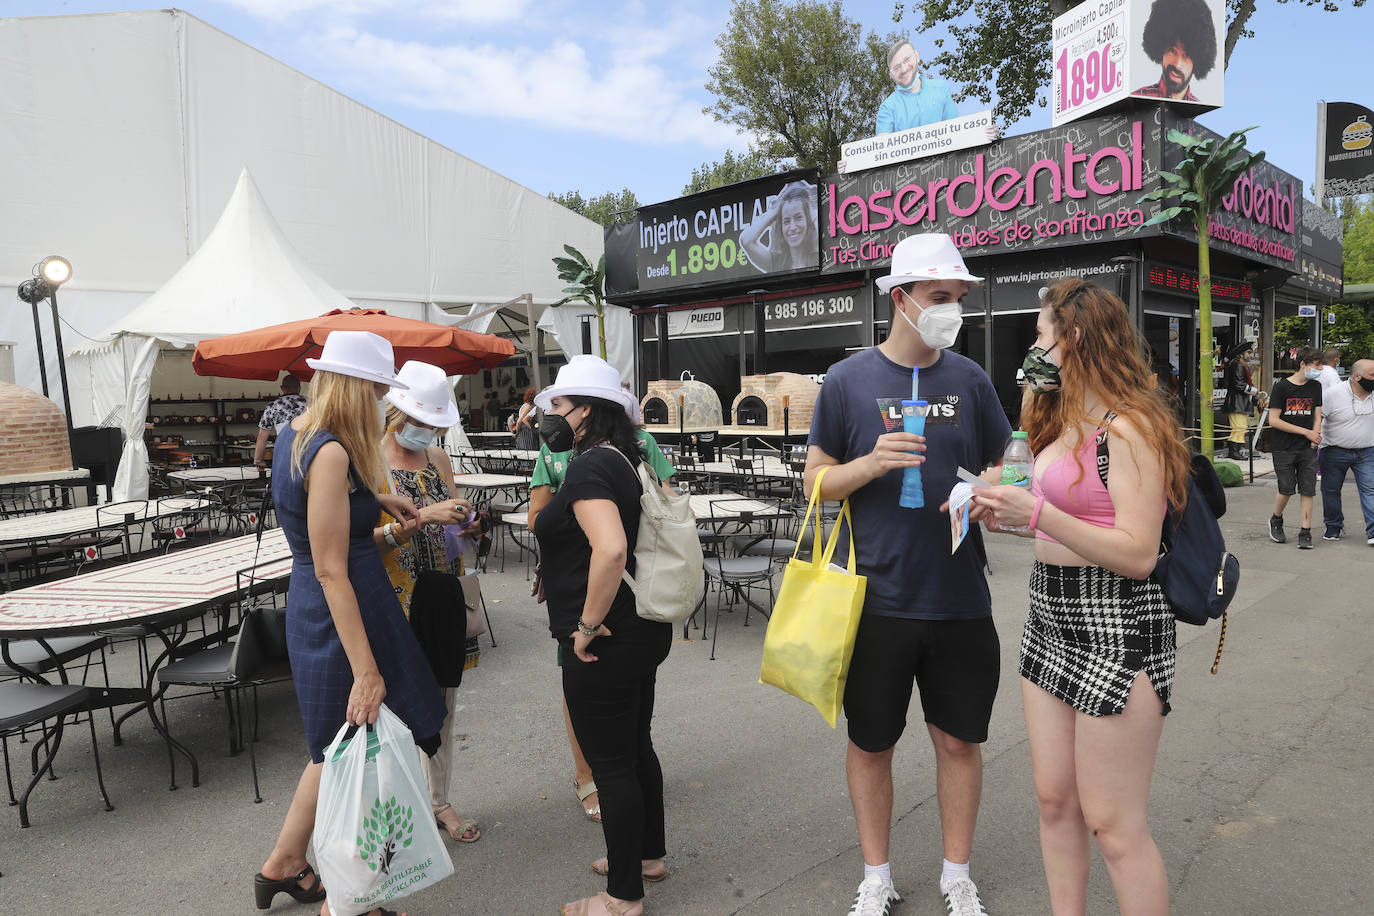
(1097, 654)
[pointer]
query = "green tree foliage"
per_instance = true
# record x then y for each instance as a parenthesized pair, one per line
(800, 76)
(1359, 242)
(384, 828)
(605, 209)
(1209, 168)
(730, 170)
(1352, 332)
(1001, 48)
(587, 284)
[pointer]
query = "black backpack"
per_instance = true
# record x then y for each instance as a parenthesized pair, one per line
(1197, 573)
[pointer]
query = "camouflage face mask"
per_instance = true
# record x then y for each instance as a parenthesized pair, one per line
(1042, 374)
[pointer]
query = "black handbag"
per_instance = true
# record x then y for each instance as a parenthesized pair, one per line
(439, 618)
(260, 649)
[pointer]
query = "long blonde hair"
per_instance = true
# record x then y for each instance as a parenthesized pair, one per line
(1107, 353)
(345, 407)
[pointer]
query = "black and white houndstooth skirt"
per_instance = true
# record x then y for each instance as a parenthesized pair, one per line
(1090, 631)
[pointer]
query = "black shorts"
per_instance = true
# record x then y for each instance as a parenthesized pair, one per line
(956, 665)
(1296, 470)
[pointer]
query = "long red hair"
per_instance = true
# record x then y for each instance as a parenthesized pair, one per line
(1098, 343)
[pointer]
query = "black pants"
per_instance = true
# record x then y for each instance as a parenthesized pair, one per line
(611, 704)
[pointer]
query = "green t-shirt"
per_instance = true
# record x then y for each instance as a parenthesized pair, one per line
(550, 467)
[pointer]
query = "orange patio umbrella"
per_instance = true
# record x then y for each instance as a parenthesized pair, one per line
(266, 353)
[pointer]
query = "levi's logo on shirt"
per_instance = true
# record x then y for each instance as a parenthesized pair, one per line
(943, 410)
(1298, 407)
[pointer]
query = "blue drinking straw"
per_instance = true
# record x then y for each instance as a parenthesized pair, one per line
(915, 383)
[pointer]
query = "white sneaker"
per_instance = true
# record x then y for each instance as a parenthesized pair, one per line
(961, 897)
(874, 898)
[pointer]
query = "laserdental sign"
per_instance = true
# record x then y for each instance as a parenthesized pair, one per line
(748, 230)
(1064, 186)
(1109, 50)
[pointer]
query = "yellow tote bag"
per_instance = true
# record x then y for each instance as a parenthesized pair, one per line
(810, 636)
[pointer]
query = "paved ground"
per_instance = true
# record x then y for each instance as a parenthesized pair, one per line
(1261, 801)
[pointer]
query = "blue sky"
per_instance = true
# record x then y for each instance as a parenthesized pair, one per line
(596, 96)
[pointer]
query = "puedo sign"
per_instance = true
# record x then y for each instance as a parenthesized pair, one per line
(1068, 185)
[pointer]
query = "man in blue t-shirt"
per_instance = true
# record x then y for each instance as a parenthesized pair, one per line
(927, 615)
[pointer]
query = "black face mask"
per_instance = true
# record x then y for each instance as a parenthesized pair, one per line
(556, 432)
(1366, 383)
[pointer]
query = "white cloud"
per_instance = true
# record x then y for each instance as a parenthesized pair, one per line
(621, 91)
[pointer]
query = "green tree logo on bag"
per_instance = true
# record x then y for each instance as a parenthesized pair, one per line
(387, 829)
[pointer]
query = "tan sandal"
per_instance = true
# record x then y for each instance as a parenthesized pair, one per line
(585, 792)
(602, 867)
(467, 830)
(583, 907)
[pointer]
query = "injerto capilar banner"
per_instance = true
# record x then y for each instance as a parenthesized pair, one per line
(750, 229)
(1346, 153)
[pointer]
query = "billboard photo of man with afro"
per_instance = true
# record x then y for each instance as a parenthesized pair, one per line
(1180, 37)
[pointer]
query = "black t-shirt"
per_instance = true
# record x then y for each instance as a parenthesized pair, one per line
(1296, 404)
(566, 554)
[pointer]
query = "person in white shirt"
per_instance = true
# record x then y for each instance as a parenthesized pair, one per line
(1331, 359)
(1348, 445)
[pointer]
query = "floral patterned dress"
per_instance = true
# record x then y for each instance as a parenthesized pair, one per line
(426, 550)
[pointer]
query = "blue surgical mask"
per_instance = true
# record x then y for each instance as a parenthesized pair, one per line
(1313, 374)
(415, 438)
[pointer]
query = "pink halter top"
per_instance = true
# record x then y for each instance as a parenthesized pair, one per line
(1084, 497)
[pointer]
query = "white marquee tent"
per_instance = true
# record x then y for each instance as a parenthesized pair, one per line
(245, 276)
(126, 133)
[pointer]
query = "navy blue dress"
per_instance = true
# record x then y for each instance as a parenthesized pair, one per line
(318, 664)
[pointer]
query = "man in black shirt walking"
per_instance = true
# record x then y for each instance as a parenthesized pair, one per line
(1295, 413)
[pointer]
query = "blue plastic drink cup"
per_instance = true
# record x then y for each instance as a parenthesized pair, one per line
(913, 421)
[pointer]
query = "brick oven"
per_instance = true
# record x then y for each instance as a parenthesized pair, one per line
(759, 404)
(700, 406)
(33, 434)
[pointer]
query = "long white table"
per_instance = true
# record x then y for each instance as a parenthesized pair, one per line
(148, 591)
(64, 522)
(483, 487)
(208, 476)
(159, 592)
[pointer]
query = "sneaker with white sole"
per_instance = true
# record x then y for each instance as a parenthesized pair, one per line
(961, 897)
(874, 898)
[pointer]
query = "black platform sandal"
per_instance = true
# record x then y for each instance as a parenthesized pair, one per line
(264, 888)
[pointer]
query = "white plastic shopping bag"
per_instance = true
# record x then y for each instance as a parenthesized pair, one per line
(374, 836)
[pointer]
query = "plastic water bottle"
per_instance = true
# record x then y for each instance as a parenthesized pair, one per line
(1017, 462)
(913, 421)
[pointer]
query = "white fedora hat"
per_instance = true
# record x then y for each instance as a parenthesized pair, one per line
(360, 354)
(423, 395)
(591, 377)
(925, 257)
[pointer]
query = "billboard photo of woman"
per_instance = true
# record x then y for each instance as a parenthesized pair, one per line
(789, 223)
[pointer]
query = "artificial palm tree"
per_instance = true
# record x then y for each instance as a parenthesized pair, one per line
(1207, 173)
(588, 285)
